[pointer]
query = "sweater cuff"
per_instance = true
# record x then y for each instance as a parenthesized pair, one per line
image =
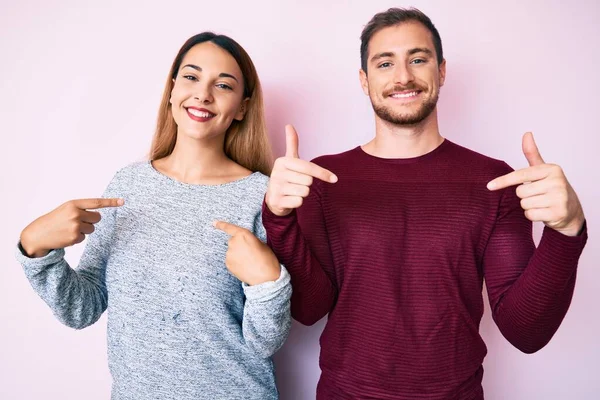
(560, 251)
(271, 220)
(52, 257)
(567, 244)
(267, 290)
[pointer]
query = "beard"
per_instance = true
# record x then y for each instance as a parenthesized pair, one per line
(412, 118)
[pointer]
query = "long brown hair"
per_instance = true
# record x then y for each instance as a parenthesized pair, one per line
(246, 141)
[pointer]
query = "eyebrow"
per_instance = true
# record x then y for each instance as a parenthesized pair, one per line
(410, 53)
(221, 75)
(419, 50)
(382, 55)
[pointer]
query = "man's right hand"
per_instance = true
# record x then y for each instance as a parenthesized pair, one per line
(291, 177)
(65, 226)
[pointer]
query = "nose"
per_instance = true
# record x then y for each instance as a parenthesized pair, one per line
(204, 94)
(403, 75)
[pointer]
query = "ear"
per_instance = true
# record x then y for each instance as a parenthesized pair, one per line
(171, 97)
(242, 110)
(442, 70)
(364, 81)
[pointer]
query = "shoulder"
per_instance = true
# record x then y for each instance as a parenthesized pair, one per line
(476, 161)
(125, 177)
(248, 191)
(258, 180)
(133, 169)
(336, 160)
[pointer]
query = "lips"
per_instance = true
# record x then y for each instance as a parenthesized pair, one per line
(405, 95)
(200, 114)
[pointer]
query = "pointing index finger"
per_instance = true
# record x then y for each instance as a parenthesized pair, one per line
(518, 177)
(90, 204)
(312, 169)
(228, 228)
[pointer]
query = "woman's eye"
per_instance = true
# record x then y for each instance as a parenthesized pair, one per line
(224, 86)
(190, 77)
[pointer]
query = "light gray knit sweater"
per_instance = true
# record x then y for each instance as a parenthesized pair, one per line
(180, 326)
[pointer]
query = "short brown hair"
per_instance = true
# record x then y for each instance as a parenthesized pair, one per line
(392, 17)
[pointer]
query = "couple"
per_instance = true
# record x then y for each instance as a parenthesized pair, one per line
(391, 240)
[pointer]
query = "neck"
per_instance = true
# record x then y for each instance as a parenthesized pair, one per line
(404, 141)
(195, 161)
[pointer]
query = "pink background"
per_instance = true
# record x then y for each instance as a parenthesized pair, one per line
(80, 86)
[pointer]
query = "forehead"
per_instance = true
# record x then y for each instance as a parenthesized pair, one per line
(401, 38)
(212, 58)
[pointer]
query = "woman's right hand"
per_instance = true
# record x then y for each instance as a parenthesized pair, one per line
(64, 226)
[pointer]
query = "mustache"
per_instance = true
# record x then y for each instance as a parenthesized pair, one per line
(398, 88)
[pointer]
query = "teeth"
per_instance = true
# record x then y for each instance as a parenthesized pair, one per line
(404, 95)
(200, 114)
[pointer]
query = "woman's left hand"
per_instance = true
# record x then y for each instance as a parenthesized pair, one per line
(247, 258)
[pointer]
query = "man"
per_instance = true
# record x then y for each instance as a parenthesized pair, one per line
(393, 239)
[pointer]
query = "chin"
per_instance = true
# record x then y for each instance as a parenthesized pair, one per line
(195, 134)
(200, 135)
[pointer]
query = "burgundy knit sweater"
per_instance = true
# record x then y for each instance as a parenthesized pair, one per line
(396, 253)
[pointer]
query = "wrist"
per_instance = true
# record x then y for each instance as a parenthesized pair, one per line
(270, 275)
(280, 212)
(575, 227)
(29, 247)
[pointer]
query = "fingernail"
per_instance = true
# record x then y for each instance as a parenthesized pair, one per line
(214, 223)
(491, 185)
(120, 202)
(333, 179)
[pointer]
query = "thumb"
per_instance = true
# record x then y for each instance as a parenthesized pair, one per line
(291, 142)
(531, 151)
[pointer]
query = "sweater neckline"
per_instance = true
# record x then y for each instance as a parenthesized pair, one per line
(172, 181)
(410, 160)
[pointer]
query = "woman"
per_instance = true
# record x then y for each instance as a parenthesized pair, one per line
(180, 326)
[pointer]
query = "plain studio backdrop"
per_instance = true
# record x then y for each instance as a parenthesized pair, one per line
(80, 84)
